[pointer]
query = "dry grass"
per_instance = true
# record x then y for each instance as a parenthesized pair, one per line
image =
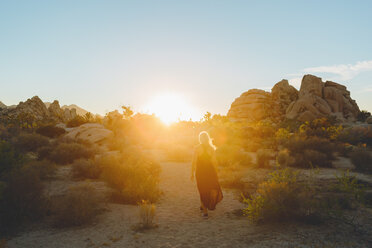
(79, 207)
(147, 213)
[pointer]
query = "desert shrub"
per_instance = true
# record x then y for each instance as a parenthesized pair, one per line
(65, 153)
(310, 151)
(228, 155)
(231, 179)
(9, 158)
(30, 142)
(280, 198)
(77, 121)
(44, 152)
(362, 159)
(357, 135)
(134, 177)
(83, 168)
(363, 115)
(263, 158)
(283, 158)
(22, 198)
(79, 207)
(44, 168)
(50, 131)
(178, 153)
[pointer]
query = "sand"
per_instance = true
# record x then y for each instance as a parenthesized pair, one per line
(180, 225)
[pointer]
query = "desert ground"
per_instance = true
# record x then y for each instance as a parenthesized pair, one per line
(180, 223)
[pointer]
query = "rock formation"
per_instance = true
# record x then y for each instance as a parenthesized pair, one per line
(34, 109)
(283, 94)
(315, 99)
(318, 99)
(252, 105)
(2, 105)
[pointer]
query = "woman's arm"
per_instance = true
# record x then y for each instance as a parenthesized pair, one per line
(193, 164)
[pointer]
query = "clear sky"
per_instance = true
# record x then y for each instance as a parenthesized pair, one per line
(103, 54)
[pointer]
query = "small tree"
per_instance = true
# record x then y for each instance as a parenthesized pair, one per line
(207, 116)
(127, 112)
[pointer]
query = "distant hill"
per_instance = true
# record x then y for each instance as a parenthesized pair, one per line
(2, 105)
(79, 111)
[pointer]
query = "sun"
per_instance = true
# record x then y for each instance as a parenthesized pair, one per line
(170, 107)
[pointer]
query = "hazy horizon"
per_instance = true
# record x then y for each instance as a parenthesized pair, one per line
(101, 55)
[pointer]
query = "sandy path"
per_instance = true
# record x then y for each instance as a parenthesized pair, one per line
(180, 225)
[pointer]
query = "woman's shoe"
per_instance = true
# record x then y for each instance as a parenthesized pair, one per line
(205, 216)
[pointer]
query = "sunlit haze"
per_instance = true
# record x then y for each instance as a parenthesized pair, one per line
(171, 107)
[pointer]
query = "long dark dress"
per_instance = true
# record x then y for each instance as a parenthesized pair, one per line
(207, 180)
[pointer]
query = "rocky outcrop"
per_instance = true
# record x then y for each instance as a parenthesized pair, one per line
(2, 105)
(55, 111)
(36, 110)
(315, 99)
(283, 94)
(318, 99)
(252, 105)
(91, 132)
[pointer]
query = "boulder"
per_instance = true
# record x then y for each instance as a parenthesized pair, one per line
(252, 105)
(91, 132)
(311, 85)
(284, 94)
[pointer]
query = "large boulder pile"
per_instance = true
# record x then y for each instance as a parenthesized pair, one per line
(318, 99)
(35, 109)
(315, 99)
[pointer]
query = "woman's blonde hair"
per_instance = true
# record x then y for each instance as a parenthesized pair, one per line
(206, 140)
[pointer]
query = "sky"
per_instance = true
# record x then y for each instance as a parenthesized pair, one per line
(104, 54)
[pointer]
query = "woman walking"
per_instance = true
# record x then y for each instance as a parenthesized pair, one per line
(204, 169)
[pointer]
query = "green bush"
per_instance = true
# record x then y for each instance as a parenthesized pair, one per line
(134, 177)
(44, 168)
(263, 158)
(228, 155)
(50, 131)
(9, 158)
(83, 168)
(280, 198)
(30, 142)
(362, 159)
(79, 207)
(22, 198)
(65, 153)
(310, 151)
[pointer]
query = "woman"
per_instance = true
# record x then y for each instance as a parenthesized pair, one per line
(204, 169)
